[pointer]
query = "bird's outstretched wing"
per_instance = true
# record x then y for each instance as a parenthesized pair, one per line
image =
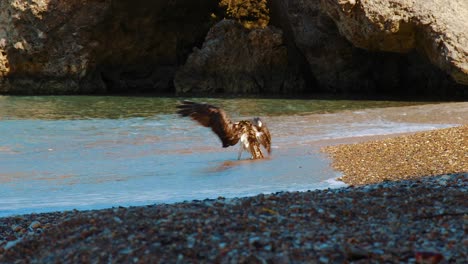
(212, 117)
(263, 134)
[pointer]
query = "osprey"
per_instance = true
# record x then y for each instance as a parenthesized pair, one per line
(251, 133)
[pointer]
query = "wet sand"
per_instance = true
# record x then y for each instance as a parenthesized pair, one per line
(418, 220)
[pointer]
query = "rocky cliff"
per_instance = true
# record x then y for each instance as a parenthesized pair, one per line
(348, 52)
(184, 46)
(236, 60)
(74, 46)
(436, 29)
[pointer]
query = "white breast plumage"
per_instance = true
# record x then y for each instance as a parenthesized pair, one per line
(244, 140)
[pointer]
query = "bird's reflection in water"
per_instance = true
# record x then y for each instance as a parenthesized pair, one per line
(231, 164)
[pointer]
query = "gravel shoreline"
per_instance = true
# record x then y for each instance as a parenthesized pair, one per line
(421, 220)
(404, 157)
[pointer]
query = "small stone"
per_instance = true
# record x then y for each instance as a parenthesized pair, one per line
(19, 45)
(11, 244)
(34, 225)
(16, 228)
(126, 251)
(255, 241)
(180, 257)
(324, 259)
(428, 257)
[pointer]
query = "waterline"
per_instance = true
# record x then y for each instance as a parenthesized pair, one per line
(91, 163)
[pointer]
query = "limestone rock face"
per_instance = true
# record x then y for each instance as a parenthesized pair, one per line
(74, 46)
(333, 46)
(235, 60)
(340, 65)
(333, 62)
(437, 29)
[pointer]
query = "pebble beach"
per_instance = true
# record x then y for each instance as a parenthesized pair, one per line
(406, 203)
(405, 157)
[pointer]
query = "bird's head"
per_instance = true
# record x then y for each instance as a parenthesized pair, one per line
(257, 121)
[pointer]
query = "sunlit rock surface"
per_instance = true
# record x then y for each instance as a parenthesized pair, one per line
(314, 29)
(409, 47)
(234, 59)
(54, 46)
(437, 29)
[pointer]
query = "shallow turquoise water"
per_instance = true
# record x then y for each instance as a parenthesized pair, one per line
(112, 107)
(61, 153)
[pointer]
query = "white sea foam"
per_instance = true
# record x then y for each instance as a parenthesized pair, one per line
(335, 183)
(379, 127)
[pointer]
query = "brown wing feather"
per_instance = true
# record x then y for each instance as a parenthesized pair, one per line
(264, 136)
(212, 117)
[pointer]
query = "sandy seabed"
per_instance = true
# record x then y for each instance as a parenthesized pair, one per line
(407, 203)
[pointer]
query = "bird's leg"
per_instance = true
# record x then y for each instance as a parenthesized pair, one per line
(240, 152)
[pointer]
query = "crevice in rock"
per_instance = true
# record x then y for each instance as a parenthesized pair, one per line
(296, 57)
